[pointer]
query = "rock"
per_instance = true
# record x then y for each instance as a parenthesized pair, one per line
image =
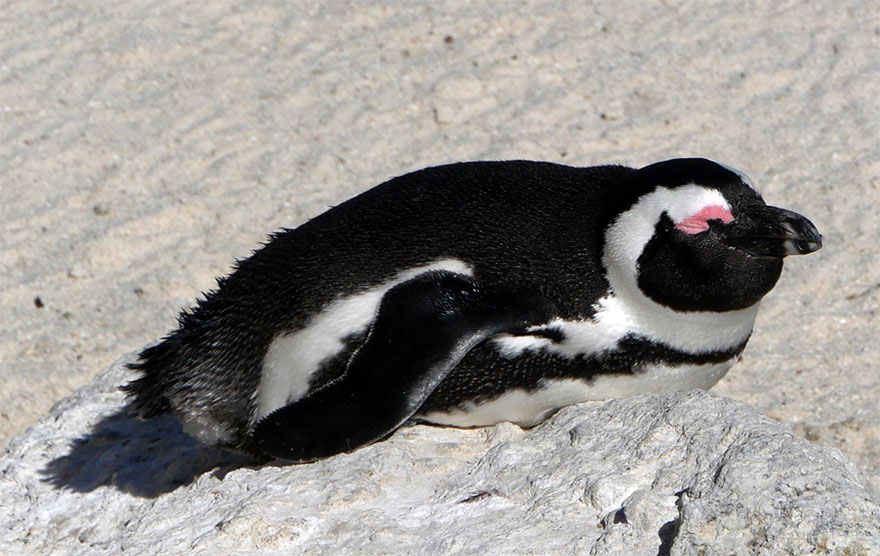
(689, 473)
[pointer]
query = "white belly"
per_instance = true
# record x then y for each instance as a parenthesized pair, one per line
(530, 408)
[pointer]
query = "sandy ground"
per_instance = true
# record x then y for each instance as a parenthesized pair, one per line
(146, 144)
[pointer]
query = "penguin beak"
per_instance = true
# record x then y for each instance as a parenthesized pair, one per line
(765, 231)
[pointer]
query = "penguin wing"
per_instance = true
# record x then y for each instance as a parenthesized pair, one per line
(423, 328)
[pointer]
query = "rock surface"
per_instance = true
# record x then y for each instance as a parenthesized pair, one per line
(690, 473)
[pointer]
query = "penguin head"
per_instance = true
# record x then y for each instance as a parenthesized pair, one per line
(695, 235)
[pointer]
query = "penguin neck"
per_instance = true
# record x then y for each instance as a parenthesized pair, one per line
(629, 311)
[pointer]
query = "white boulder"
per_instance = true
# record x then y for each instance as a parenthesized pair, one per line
(689, 473)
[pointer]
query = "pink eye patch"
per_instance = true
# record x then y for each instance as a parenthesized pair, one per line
(699, 222)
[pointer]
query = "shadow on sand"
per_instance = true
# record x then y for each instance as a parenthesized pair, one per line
(143, 458)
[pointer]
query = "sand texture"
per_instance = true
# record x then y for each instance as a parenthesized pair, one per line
(145, 145)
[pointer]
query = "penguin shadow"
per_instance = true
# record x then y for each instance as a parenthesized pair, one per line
(143, 458)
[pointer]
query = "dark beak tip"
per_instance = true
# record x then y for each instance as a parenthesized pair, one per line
(777, 232)
(803, 236)
(805, 247)
(814, 238)
(803, 244)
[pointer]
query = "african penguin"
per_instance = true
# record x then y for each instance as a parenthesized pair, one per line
(470, 294)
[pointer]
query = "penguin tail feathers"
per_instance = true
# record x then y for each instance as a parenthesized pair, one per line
(147, 394)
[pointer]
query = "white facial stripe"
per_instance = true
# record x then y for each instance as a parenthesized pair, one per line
(292, 358)
(628, 235)
(628, 308)
(530, 408)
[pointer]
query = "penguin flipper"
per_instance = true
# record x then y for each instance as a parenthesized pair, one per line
(423, 328)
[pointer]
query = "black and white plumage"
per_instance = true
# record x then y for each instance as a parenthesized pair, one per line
(470, 294)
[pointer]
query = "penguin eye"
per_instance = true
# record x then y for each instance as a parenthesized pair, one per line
(699, 222)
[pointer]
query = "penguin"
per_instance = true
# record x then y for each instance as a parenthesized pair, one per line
(473, 293)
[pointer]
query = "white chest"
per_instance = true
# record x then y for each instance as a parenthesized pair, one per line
(693, 332)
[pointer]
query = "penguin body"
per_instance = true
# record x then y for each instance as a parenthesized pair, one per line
(470, 294)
